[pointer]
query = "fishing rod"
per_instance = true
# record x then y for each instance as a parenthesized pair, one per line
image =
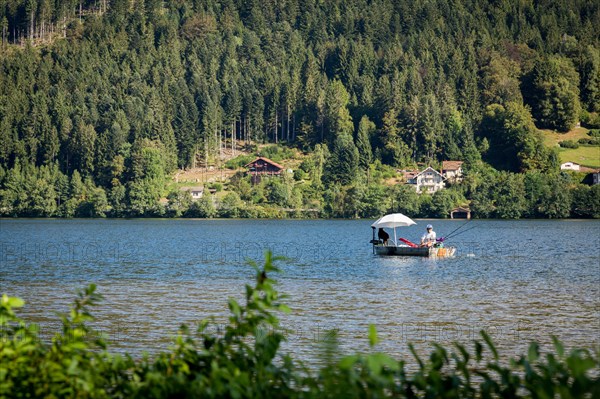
(453, 231)
(459, 233)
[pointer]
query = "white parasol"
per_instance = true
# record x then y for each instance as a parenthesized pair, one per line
(392, 221)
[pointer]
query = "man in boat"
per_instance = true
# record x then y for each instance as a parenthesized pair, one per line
(428, 238)
(383, 235)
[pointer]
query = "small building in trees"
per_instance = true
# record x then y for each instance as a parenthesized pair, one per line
(592, 178)
(452, 171)
(195, 192)
(262, 166)
(570, 166)
(460, 212)
(428, 180)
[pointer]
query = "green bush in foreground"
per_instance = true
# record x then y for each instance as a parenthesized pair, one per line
(242, 361)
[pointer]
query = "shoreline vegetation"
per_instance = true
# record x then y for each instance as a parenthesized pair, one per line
(45, 191)
(242, 360)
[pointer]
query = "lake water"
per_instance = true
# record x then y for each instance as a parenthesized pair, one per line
(519, 280)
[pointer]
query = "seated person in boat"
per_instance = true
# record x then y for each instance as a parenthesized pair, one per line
(428, 238)
(383, 235)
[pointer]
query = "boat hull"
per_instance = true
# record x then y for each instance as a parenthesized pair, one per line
(410, 251)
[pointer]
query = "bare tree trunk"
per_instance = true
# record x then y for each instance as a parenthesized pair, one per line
(216, 140)
(31, 27)
(275, 126)
(288, 125)
(205, 151)
(220, 143)
(80, 10)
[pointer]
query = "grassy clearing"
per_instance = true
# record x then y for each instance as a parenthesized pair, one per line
(586, 156)
(551, 138)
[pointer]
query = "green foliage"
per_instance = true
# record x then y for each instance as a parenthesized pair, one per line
(590, 119)
(555, 93)
(548, 196)
(568, 144)
(179, 202)
(394, 150)
(515, 144)
(497, 194)
(501, 80)
(218, 187)
(342, 165)
(589, 141)
(586, 201)
(406, 200)
(443, 201)
(366, 130)
(589, 69)
(276, 153)
(202, 208)
(231, 205)
(242, 359)
(45, 192)
(300, 174)
(239, 161)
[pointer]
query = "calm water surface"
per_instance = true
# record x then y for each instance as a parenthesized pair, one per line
(520, 280)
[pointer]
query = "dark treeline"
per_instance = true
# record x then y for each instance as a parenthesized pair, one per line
(117, 94)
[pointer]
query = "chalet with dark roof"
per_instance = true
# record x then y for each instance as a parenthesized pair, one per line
(262, 166)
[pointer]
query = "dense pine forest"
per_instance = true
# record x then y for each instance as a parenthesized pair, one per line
(102, 101)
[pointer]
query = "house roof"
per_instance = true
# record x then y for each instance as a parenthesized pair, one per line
(267, 160)
(428, 169)
(461, 209)
(409, 174)
(451, 165)
(572, 163)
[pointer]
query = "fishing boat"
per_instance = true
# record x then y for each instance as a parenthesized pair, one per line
(407, 248)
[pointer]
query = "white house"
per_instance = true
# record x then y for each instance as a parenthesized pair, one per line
(452, 170)
(596, 177)
(428, 180)
(569, 166)
(196, 192)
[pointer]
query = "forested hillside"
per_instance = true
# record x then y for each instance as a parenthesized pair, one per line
(101, 100)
